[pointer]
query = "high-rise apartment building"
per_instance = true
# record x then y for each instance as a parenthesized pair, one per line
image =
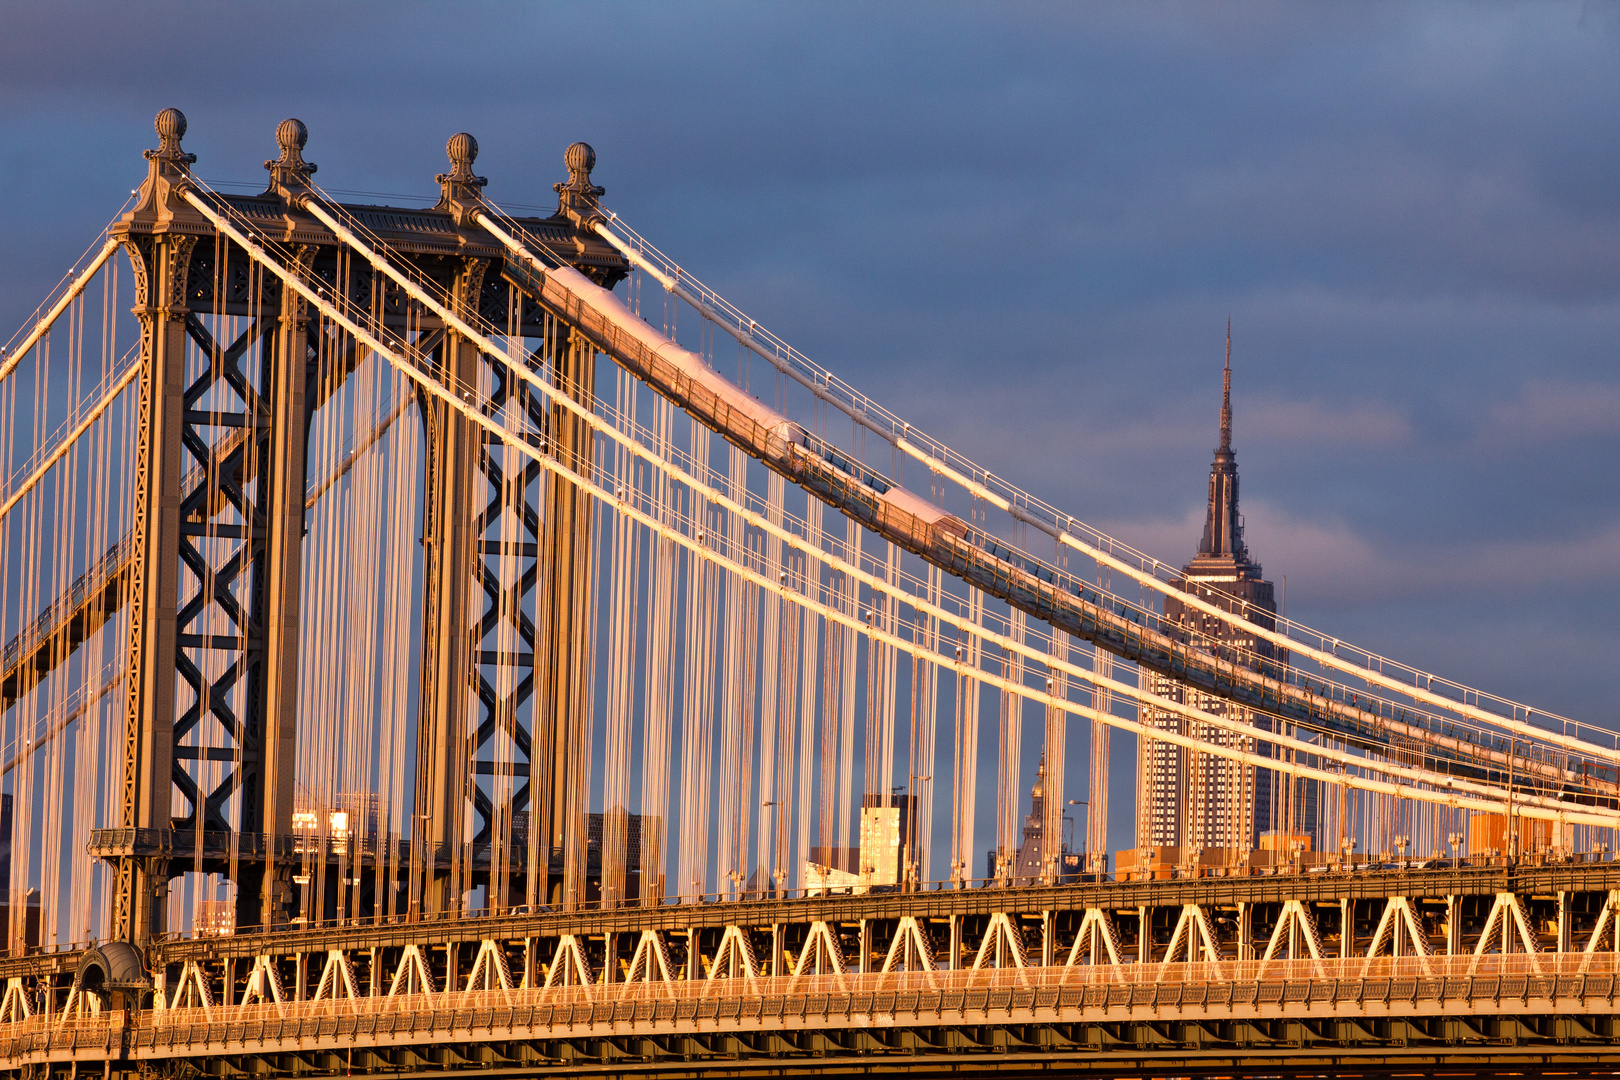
(1189, 799)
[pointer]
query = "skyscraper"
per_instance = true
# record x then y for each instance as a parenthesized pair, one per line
(1190, 799)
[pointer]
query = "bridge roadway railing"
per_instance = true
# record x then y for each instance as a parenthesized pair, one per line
(1125, 895)
(1208, 892)
(1364, 992)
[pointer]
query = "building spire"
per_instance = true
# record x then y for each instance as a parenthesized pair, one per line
(1226, 392)
(1223, 526)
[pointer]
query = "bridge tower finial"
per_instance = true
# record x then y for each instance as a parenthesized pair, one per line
(171, 128)
(168, 173)
(459, 186)
(577, 198)
(289, 174)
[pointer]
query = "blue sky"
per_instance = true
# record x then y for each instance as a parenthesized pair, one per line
(1024, 226)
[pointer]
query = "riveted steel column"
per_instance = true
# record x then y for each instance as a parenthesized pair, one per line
(264, 888)
(150, 685)
(447, 627)
(159, 242)
(563, 607)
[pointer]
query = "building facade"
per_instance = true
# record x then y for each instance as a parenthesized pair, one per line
(887, 822)
(1190, 800)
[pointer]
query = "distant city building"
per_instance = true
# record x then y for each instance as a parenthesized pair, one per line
(315, 823)
(215, 918)
(1191, 801)
(31, 910)
(1026, 865)
(1489, 836)
(833, 869)
(362, 810)
(595, 830)
(886, 823)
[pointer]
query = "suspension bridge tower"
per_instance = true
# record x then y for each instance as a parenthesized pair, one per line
(233, 365)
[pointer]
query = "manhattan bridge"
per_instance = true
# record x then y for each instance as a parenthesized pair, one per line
(455, 639)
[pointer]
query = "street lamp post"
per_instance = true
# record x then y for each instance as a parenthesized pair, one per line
(779, 872)
(1090, 858)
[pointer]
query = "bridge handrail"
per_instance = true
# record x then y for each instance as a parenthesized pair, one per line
(1401, 716)
(1361, 867)
(92, 579)
(86, 583)
(466, 1007)
(1033, 511)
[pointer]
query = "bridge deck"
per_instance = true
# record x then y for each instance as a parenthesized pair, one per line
(1378, 1002)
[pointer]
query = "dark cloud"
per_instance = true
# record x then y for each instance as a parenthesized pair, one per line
(1024, 226)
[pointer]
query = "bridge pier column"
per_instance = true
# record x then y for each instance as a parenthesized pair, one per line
(1144, 941)
(264, 888)
(161, 265)
(1563, 922)
(443, 728)
(1454, 924)
(1048, 947)
(955, 961)
(1245, 949)
(562, 707)
(1347, 928)
(865, 964)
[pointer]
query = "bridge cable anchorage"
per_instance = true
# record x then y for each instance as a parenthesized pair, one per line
(961, 471)
(562, 277)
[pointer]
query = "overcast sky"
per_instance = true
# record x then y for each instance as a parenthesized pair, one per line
(1024, 227)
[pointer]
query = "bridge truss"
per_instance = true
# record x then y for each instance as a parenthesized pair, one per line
(382, 575)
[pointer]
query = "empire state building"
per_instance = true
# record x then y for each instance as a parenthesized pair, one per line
(1191, 799)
